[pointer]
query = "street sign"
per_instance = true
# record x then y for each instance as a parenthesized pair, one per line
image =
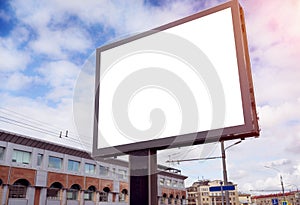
(274, 201)
(225, 188)
(284, 203)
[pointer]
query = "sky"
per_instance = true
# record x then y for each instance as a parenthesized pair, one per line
(46, 74)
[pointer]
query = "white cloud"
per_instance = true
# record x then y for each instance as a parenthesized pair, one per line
(12, 59)
(274, 39)
(44, 122)
(16, 81)
(61, 76)
(280, 115)
(57, 44)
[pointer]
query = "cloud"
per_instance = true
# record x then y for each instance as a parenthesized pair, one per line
(35, 118)
(5, 16)
(294, 144)
(16, 81)
(13, 59)
(56, 44)
(280, 115)
(60, 76)
(278, 163)
(274, 39)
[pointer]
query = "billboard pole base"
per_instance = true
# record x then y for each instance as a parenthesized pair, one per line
(143, 177)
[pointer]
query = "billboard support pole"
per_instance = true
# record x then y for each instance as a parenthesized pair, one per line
(143, 177)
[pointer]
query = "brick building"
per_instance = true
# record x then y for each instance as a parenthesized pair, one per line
(36, 172)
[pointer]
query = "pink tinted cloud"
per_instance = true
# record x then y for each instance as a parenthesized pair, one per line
(273, 28)
(272, 22)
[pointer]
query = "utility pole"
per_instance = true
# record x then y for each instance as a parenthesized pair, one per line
(225, 178)
(222, 193)
(281, 180)
(224, 172)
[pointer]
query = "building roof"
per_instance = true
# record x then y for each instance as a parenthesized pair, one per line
(274, 195)
(46, 145)
(41, 144)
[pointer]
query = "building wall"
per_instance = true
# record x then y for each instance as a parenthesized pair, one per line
(199, 194)
(245, 199)
(41, 177)
(292, 198)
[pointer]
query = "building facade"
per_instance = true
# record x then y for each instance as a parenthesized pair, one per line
(291, 198)
(245, 199)
(200, 194)
(35, 172)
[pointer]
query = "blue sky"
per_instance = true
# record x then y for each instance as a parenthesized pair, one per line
(46, 49)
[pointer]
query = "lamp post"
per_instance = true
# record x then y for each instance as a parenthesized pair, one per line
(224, 167)
(292, 185)
(281, 180)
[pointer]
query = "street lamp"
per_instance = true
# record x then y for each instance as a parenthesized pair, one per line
(292, 185)
(281, 180)
(224, 167)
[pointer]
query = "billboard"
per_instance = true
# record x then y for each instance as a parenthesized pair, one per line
(187, 82)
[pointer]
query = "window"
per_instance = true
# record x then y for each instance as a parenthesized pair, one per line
(113, 172)
(170, 199)
(181, 185)
(161, 181)
(103, 196)
(21, 157)
(73, 165)
(89, 168)
(176, 199)
(89, 193)
(124, 195)
(103, 170)
(168, 182)
(122, 174)
(54, 191)
(72, 193)
(55, 162)
(39, 159)
(175, 183)
(2, 149)
(18, 189)
(163, 198)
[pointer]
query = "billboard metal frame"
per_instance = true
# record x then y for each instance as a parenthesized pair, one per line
(249, 129)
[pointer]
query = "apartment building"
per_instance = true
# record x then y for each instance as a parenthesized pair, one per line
(200, 194)
(290, 198)
(36, 172)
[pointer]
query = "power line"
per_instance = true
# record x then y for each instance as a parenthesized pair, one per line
(36, 122)
(194, 159)
(29, 123)
(84, 147)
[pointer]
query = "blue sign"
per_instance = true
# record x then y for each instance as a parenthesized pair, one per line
(274, 201)
(284, 203)
(219, 188)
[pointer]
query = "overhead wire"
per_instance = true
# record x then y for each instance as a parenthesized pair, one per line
(36, 129)
(34, 121)
(26, 122)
